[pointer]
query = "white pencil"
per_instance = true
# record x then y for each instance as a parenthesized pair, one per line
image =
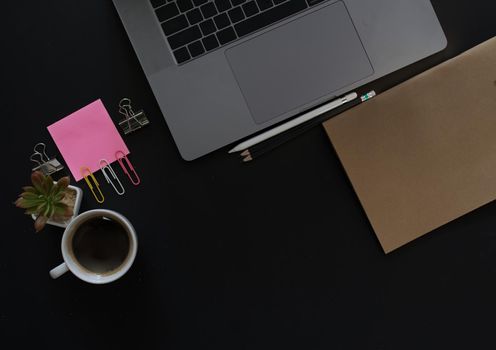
(294, 122)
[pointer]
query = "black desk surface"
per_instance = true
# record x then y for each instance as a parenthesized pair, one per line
(277, 254)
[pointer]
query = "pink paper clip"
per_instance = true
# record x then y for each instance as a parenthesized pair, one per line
(119, 155)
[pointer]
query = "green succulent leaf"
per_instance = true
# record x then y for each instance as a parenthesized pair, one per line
(31, 211)
(40, 223)
(59, 196)
(21, 203)
(47, 185)
(37, 178)
(50, 189)
(56, 189)
(40, 209)
(62, 209)
(30, 195)
(27, 204)
(60, 205)
(63, 183)
(49, 209)
(29, 189)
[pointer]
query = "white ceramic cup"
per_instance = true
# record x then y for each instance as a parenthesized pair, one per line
(70, 262)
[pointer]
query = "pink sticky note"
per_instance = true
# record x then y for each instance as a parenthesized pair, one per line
(86, 136)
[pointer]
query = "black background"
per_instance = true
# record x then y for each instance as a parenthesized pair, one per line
(277, 254)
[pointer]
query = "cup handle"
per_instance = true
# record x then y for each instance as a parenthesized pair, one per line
(58, 271)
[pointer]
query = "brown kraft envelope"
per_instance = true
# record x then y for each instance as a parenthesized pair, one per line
(423, 153)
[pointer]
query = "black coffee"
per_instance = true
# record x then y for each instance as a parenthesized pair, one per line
(100, 245)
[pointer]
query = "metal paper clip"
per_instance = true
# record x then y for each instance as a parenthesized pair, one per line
(45, 164)
(84, 170)
(105, 167)
(132, 120)
(119, 155)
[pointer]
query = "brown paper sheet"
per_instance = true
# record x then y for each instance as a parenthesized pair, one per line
(423, 153)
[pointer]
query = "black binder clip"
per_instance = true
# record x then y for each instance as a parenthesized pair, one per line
(132, 120)
(47, 165)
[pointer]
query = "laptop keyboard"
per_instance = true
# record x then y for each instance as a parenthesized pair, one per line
(195, 27)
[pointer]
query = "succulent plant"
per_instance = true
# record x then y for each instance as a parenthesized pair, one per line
(45, 199)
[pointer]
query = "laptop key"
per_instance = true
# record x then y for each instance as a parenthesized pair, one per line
(223, 5)
(237, 2)
(236, 14)
(194, 16)
(269, 17)
(199, 2)
(314, 2)
(168, 11)
(157, 3)
(250, 8)
(222, 21)
(196, 48)
(185, 37)
(208, 10)
(226, 35)
(210, 42)
(181, 55)
(207, 27)
(184, 5)
(175, 24)
(264, 4)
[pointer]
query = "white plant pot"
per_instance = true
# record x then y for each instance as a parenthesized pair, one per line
(77, 205)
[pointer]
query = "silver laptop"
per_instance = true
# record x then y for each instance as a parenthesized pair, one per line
(222, 70)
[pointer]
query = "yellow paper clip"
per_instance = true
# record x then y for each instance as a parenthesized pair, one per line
(86, 178)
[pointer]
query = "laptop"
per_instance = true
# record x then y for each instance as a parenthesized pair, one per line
(222, 70)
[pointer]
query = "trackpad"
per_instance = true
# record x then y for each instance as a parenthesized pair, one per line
(299, 62)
